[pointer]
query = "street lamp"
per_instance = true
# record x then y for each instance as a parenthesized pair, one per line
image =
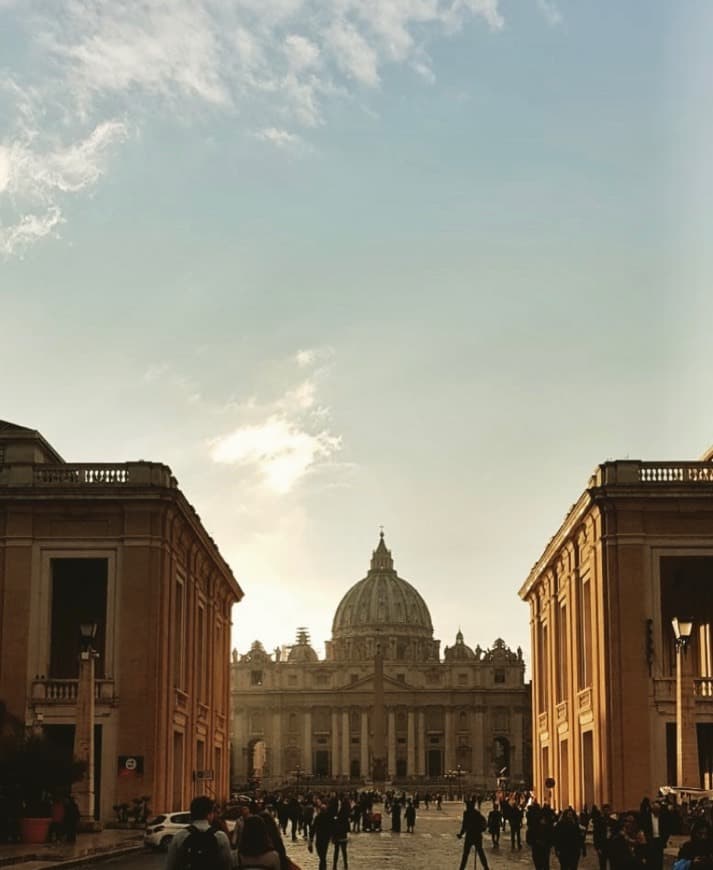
(686, 738)
(460, 773)
(449, 776)
(84, 728)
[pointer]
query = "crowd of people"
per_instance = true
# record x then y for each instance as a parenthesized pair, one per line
(631, 840)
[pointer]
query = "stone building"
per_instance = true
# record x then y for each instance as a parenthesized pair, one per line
(464, 716)
(120, 546)
(634, 551)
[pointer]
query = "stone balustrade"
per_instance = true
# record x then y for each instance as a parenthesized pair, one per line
(627, 472)
(96, 475)
(56, 691)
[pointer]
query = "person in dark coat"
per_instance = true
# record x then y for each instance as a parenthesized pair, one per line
(628, 849)
(495, 821)
(410, 816)
(699, 848)
(656, 823)
(567, 840)
(515, 815)
(601, 833)
(396, 817)
(473, 826)
(340, 832)
(71, 819)
(321, 834)
(539, 836)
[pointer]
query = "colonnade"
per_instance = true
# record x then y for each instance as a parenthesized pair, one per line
(302, 740)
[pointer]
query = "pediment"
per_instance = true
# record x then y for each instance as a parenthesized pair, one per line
(367, 684)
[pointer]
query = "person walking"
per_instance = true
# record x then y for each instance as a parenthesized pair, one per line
(472, 827)
(321, 834)
(567, 840)
(340, 833)
(494, 823)
(410, 816)
(628, 849)
(200, 846)
(515, 818)
(396, 816)
(539, 836)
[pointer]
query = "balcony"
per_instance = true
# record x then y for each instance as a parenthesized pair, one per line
(627, 472)
(94, 476)
(64, 692)
(665, 691)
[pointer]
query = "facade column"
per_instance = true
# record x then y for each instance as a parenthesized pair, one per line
(307, 749)
(346, 740)
(238, 741)
(335, 744)
(276, 754)
(364, 762)
(421, 744)
(392, 744)
(517, 747)
(479, 770)
(411, 744)
(449, 759)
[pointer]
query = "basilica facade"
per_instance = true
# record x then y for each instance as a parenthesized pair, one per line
(383, 690)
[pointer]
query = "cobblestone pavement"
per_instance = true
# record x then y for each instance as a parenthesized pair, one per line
(433, 846)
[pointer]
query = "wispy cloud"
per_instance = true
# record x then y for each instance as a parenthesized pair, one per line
(38, 171)
(281, 440)
(550, 11)
(280, 449)
(91, 62)
(278, 138)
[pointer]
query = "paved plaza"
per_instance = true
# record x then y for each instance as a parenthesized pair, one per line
(433, 846)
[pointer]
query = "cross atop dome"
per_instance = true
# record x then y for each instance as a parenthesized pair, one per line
(381, 557)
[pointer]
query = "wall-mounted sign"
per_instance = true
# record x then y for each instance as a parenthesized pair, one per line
(131, 765)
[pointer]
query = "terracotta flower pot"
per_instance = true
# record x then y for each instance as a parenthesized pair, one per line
(35, 830)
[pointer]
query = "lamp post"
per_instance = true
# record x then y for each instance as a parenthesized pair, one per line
(686, 738)
(449, 776)
(84, 727)
(298, 774)
(460, 773)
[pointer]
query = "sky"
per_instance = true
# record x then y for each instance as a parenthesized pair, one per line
(350, 263)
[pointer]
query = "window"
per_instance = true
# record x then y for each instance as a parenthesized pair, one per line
(202, 656)
(462, 679)
(401, 678)
(584, 634)
(256, 678)
(353, 678)
(499, 676)
(292, 680)
(179, 635)
(562, 671)
(79, 594)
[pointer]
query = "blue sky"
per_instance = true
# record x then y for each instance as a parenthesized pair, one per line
(340, 264)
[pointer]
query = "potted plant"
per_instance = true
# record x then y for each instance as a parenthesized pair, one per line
(40, 771)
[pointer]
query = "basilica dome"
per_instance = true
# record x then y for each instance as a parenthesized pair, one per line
(382, 604)
(302, 651)
(460, 651)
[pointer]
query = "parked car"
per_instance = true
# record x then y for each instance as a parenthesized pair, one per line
(160, 829)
